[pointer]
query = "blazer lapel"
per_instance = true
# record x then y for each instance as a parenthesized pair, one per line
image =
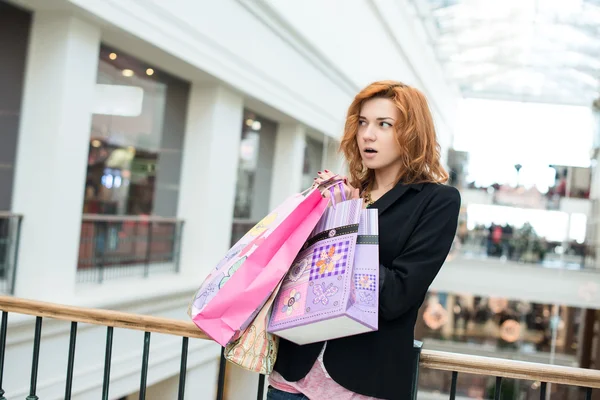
(394, 195)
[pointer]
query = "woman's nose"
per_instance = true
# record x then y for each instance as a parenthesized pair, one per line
(369, 134)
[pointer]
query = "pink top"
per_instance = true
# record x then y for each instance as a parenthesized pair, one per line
(317, 384)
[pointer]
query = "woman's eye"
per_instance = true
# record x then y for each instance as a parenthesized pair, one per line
(362, 123)
(386, 125)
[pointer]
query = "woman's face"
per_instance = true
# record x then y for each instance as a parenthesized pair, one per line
(376, 135)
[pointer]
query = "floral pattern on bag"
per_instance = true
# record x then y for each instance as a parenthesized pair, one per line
(256, 349)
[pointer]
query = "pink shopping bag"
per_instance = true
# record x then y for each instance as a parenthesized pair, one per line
(235, 291)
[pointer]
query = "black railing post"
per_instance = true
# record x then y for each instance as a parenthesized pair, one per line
(144, 374)
(36, 359)
(3, 329)
(183, 368)
(498, 388)
(261, 387)
(107, 361)
(453, 385)
(148, 249)
(221, 379)
(15, 257)
(71, 361)
(543, 391)
(417, 347)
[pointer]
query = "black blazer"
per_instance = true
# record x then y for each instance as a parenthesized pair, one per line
(417, 224)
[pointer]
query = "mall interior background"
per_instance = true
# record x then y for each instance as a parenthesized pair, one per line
(139, 139)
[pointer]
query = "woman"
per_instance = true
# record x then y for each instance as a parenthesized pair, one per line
(394, 163)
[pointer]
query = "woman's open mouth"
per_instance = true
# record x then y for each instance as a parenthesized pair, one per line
(369, 152)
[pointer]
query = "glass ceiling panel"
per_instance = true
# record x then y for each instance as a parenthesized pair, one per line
(541, 50)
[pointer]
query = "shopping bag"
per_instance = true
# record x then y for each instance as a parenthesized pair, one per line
(256, 349)
(332, 288)
(236, 290)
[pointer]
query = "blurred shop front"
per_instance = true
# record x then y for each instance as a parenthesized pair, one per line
(133, 169)
(510, 329)
(136, 138)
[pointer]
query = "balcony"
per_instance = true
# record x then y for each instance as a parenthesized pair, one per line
(522, 268)
(582, 382)
(10, 229)
(114, 247)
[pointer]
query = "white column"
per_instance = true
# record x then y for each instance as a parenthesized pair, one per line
(288, 162)
(51, 162)
(208, 176)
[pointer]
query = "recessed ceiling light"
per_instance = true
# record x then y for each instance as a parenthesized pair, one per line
(113, 56)
(127, 72)
(149, 72)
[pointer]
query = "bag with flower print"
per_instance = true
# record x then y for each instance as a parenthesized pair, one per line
(256, 349)
(332, 288)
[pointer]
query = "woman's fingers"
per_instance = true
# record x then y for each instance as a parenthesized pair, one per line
(349, 191)
(326, 175)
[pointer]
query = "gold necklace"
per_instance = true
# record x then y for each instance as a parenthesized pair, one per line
(368, 199)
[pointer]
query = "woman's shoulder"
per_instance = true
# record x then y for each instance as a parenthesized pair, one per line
(442, 191)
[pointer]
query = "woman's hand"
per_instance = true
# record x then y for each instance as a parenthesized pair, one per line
(349, 191)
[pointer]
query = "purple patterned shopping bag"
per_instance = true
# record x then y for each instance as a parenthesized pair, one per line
(331, 290)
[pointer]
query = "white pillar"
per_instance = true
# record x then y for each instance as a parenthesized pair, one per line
(288, 162)
(51, 162)
(208, 176)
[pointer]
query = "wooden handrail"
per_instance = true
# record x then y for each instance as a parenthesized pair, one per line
(94, 316)
(489, 366)
(432, 359)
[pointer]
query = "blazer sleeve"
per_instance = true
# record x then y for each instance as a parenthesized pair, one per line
(404, 283)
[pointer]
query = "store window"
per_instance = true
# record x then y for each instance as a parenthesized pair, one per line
(136, 139)
(499, 327)
(253, 187)
(313, 158)
(15, 24)
(257, 149)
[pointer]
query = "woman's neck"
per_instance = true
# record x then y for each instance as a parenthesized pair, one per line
(385, 179)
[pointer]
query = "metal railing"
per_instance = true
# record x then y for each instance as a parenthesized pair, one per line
(10, 232)
(501, 369)
(524, 249)
(113, 247)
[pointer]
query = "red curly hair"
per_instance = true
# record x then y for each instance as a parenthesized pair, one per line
(415, 134)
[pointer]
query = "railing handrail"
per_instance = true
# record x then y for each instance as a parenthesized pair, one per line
(8, 214)
(128, 218)
(432, 359)
(116, 319)
(490, 366)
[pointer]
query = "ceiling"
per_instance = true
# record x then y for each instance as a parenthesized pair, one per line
(523, 50)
